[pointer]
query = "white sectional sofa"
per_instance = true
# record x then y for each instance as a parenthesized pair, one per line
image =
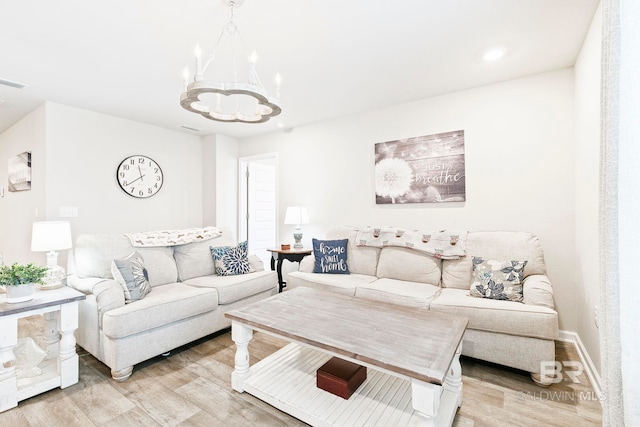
(187, 299)
(516, 334)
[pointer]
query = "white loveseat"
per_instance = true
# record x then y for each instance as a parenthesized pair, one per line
(187, 299)
(516, 334)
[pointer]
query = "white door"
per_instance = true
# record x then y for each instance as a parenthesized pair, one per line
(258, 204)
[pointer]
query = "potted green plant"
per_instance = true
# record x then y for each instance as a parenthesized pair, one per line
(20, 281)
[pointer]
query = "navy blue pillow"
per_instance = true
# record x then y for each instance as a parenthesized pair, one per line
(331, 256)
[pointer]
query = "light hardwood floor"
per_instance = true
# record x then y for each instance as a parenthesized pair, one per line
(191, 387)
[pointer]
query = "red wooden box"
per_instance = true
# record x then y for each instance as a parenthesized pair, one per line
(340, 377)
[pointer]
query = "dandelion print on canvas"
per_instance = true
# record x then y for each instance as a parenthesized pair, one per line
(424, 169)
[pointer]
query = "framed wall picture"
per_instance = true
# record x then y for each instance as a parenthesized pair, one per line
(424, 169)
(20, 172)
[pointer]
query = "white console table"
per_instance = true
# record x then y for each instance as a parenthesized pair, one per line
(59, 308)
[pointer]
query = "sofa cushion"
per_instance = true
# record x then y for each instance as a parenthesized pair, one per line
(362, 259)
(501, 280)
(166, 304)
(95, 252)
(503, 245)
(160, 265)
(132, 275)
(330, 256)
(194, 259)
(408, 264)
(507, 317)
(342, 283)
(402, 292)
(231, 260)
(235, 288)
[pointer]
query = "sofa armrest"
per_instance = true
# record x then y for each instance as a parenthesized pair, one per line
(256, 262)
(84, 285)
(107, 292)
(537, 290)
(306, 265)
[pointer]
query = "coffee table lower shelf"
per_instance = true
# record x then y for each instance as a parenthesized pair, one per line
(287, 380)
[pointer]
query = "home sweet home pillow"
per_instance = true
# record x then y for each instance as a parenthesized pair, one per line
(330, 256)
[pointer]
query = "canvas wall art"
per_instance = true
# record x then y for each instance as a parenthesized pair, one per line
(20, 172)
(424, 169)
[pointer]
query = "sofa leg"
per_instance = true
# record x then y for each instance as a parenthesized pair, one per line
(122, 374)
(540, 380)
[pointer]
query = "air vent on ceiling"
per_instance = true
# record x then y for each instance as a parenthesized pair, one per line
(189, 128)
(12, 84)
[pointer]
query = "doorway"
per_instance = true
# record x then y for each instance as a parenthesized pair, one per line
(258, 204)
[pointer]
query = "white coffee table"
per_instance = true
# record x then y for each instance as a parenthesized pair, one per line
(413, 356)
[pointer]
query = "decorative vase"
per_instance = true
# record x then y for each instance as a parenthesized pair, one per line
(20, 293)
(28, 356)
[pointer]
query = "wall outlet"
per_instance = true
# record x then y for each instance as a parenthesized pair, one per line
(596, 316)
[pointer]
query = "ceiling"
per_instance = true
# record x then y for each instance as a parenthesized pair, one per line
(125, 57)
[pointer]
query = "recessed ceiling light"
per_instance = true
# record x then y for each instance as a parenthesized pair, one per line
(494, 54)
(281, 125)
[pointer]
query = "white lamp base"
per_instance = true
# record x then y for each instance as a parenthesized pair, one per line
(55, 274)
(297, 236)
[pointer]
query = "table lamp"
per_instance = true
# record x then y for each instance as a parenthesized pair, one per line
(51, 236)
(297, 215)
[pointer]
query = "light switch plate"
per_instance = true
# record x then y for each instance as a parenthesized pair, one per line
(68, 211)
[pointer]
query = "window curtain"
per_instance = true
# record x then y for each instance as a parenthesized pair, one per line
(620, 212)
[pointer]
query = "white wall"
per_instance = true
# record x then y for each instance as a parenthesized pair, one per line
(587, 153)
(18, 210)
(227, 150)
(82, 151)
(220, 181)
(519, 168)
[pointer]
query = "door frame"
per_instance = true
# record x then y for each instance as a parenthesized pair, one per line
(242, 192)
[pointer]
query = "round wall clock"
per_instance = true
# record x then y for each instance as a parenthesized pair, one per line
(139, 176)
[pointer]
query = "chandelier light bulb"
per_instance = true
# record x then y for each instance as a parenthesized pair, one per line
(185, 75)
(253, 58)
(278, 83)
(198, 54)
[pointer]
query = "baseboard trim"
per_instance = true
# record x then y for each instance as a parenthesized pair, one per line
(589, 367)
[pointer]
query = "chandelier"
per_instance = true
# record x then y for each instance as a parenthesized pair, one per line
(229, 100)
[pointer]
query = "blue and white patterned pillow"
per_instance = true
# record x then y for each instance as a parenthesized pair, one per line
(231, 260)
(132, 275)
(501, 280)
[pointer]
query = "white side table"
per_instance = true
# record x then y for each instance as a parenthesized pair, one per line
(59, 308)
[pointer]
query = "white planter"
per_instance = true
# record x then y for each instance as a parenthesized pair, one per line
(20, 293)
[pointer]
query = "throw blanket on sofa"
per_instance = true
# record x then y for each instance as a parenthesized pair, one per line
(446, 244)
(172, 237)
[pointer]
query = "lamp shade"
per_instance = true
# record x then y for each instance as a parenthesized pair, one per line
(50, 236)
(296, 215)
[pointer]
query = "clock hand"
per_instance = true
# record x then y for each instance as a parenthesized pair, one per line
(130, 182)
(140, 170)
